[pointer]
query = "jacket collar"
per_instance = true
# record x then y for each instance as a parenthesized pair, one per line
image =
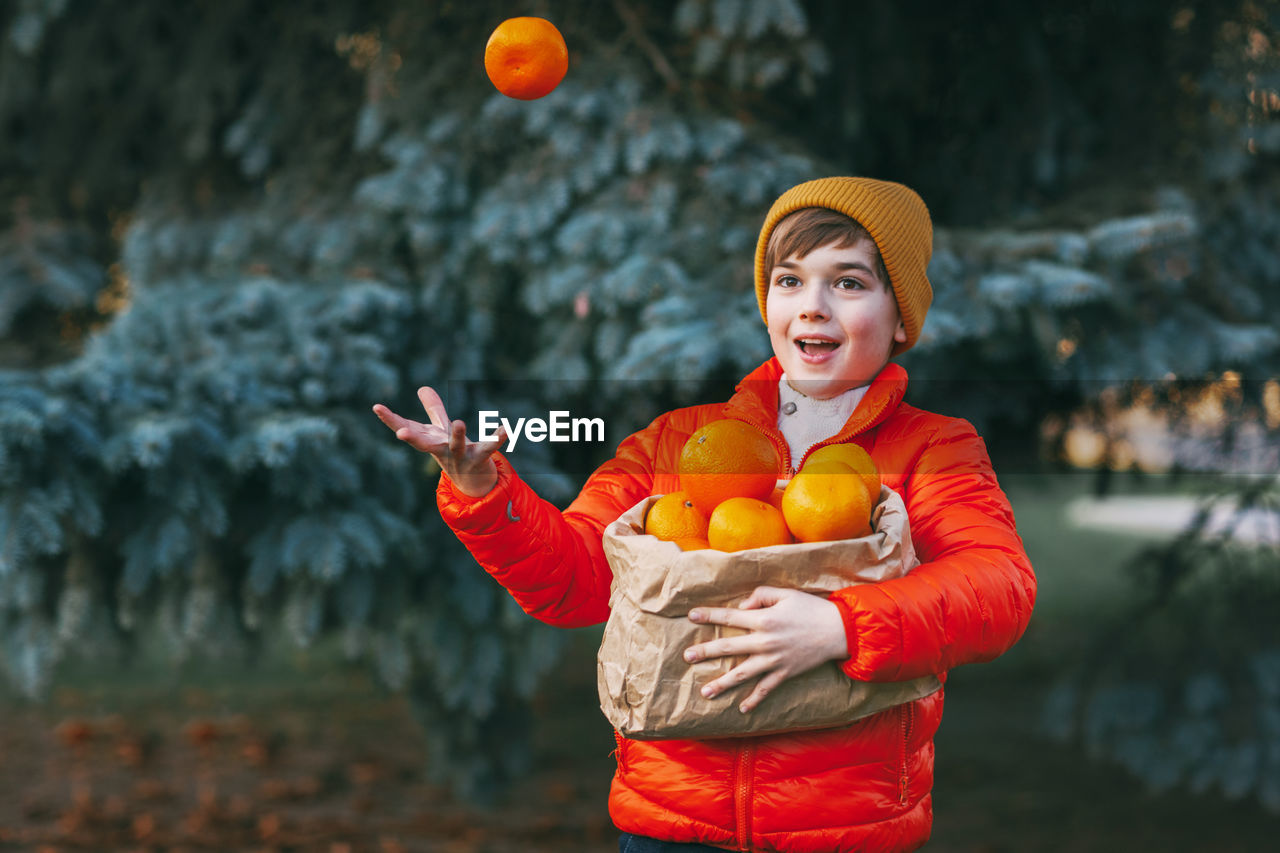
(755, 401)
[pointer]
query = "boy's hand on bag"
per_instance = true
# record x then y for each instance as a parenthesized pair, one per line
(789, 632)
(467, 463)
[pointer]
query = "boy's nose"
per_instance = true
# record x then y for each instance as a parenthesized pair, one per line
(814, 306)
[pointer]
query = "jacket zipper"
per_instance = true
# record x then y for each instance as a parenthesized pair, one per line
(780, 443)
(840, 438)
(907, 716)
(622, 763)
(745, 770)
(775, 435)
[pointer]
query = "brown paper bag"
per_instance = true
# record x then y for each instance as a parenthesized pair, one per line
(649, 692)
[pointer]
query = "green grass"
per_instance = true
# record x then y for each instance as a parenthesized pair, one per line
(1081, 574)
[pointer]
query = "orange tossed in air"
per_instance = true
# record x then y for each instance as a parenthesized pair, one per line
(526, 58)
(742, 523)
(826, 501)
(856, 458)
(673, 517)
(727, 459)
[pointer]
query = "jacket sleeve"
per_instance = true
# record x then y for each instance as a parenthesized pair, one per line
(970, 598)
(552, 563)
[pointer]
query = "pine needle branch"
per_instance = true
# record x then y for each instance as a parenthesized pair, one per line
(655, 54)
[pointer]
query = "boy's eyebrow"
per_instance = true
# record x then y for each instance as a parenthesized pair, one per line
(854, 265)
(840, 265)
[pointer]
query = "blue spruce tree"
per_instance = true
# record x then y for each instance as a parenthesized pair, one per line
(237, 229)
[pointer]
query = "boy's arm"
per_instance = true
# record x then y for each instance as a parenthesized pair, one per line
(552, 563)
(970, 598)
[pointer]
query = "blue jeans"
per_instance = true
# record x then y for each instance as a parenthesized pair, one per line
(629, 843)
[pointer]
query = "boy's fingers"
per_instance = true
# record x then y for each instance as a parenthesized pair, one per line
(457, 439)
(763, 689)
(417, 435)
(740, 674)
(724, 647)
(486, 448)
(761, 596)
(732, 617)
(422, 437)
(434, 406)
(388, 417)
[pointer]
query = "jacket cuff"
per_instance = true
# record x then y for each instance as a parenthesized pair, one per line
(478, 515)
(850, 628)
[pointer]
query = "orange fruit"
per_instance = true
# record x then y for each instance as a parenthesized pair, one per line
(526, 58)
(693, 543)
(775, 497)
(827, 501)
(857, 459)
(727, 459)
(742, 523)
(673, 516)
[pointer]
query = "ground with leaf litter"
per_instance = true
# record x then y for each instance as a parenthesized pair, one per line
(331, 763)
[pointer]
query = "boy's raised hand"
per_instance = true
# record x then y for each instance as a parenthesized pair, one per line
(467, 463)
(789, 632)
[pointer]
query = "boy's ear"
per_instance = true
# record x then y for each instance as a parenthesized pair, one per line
(900, 333)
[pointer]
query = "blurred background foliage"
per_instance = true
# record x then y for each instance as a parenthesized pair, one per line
(228, 229)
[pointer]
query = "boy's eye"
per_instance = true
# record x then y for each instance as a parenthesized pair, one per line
(787, 281)
(850, 284)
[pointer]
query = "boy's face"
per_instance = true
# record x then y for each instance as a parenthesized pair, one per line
(832, 321)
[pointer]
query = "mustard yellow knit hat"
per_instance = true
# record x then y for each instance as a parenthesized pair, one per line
(895, 217)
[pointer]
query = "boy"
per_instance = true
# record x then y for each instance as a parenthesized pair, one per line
(840, 280)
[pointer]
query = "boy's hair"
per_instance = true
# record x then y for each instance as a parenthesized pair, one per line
(799, 233)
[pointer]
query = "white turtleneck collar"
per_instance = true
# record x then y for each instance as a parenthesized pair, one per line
(804, 421)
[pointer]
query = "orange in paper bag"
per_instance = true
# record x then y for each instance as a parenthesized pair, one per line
(742, 523)
(827, 501)
(727, 459)
(674, 517)
(856, 458)
(775, 497)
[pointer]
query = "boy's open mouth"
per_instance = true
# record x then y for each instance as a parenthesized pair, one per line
(815, 346)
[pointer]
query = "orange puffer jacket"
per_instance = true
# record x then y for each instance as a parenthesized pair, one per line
(865, 786)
